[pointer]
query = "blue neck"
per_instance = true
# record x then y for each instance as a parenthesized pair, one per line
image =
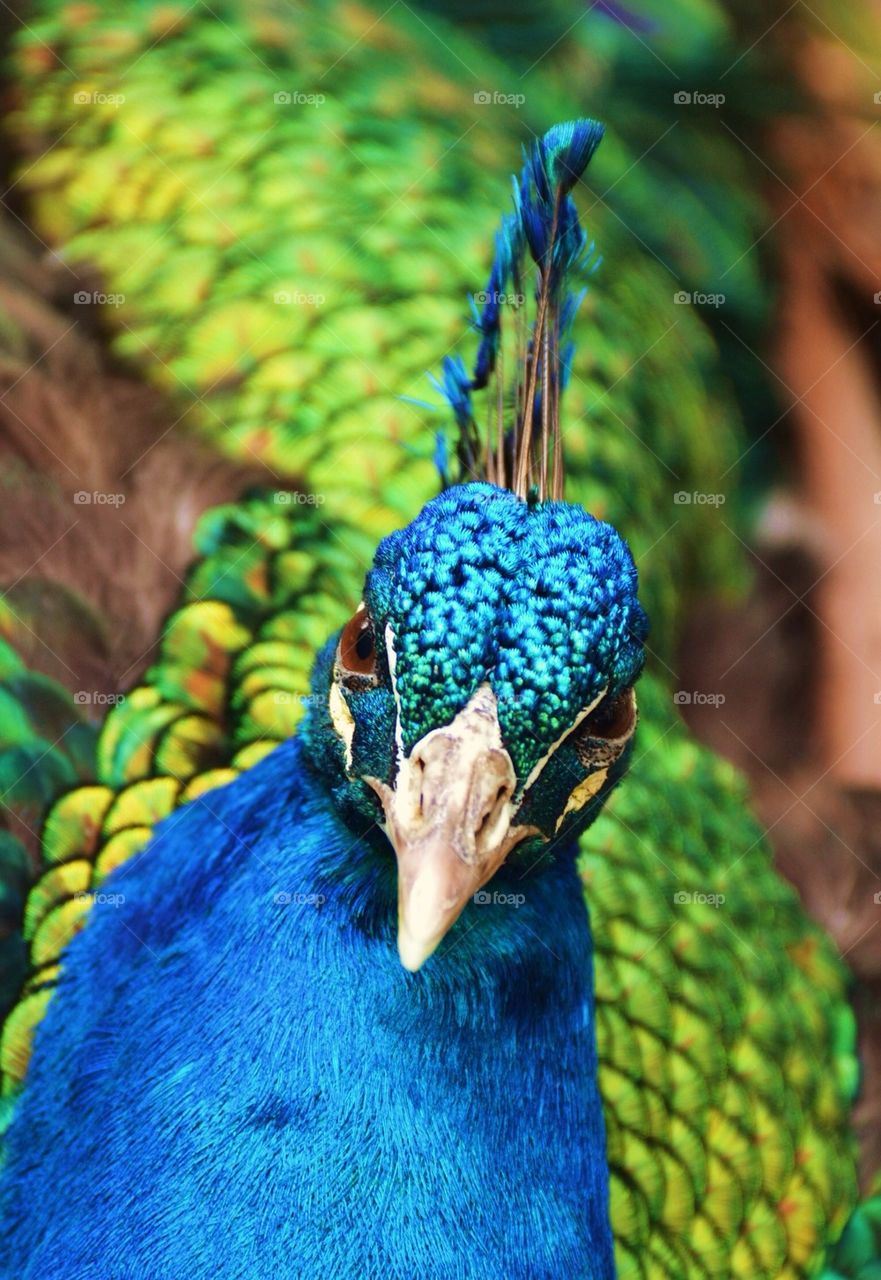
(492, 1053)
(284, 1076)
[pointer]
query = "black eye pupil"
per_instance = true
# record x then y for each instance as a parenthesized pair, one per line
(364, 644)
(612, 718)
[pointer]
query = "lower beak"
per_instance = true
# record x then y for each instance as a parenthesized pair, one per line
(434, 886)
(448, 818)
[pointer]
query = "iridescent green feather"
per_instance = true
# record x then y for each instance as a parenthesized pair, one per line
(45, 748)
(202, 200)
(858, 1253)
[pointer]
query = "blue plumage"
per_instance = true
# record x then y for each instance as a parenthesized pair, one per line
(237, 1077)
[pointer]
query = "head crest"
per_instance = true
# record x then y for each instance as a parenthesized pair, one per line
(521, 445)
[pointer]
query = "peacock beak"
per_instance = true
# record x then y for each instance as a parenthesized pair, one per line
(449, 819)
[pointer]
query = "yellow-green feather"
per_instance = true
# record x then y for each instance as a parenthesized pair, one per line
(200, 200)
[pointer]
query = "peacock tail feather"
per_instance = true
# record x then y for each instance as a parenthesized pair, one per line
(45, 748)
(289, 270)
(857, 1252)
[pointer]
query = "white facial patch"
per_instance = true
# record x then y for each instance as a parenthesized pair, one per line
(342, 718)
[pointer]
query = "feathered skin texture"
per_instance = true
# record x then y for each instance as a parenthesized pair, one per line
(547, 601)
(725, 1040)
(323, 1112)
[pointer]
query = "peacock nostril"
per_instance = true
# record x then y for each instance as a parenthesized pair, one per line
(494, 810)
(419, 782)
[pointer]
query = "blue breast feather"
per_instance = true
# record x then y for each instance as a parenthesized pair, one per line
(237, 1078)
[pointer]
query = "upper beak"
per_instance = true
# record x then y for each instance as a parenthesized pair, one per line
(448, 817)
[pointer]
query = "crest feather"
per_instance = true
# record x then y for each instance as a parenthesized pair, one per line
(521, 446)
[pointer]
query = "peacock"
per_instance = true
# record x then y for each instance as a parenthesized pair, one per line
(725, 1043)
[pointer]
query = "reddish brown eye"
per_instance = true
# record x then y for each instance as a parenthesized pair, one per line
(356, 656)
(603, 734)
(613, 718)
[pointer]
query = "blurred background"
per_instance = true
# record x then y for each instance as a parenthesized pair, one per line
(154, 366)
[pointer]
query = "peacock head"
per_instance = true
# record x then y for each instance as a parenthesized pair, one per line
(478, 707)
(479, 704)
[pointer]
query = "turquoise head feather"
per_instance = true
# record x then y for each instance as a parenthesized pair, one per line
(478, 707)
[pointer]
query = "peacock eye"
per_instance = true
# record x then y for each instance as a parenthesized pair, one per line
(356, 655)
(603, 735)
